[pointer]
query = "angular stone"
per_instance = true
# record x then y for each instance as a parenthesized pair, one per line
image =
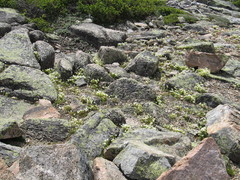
(55, 162)
(144, 64)
(65, 68)
(81, 60)
(130, 89)
(185, 81)
(116, 116)
(199, 46)
(9, 15)
(94, 135)
(106, 170)
(204, 60)
(41, 112)
(140, 161)
(211, 99)
(98, 35)
(223, 125)
(9, 153)
(36, 35)
(46, 129)
(16, 48)
(5, 174)
(168, 142)
(232, 67)
(97, 72)
(220, 3)
(45, 53)
(21, 82)
(203, 162)
(109, 55)
(4, 28)
(116, 71)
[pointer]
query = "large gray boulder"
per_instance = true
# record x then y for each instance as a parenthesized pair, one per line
(144, 64)
(27, 83)
(223, 125)
(9, 153)
(4, 28)
(8, 15)
(45, 54)
(16, 48)
(130, 89)
(55, 162)
(97, 72)
(172, 143)
(46, 129)
(94, 135)
(140, 161)
(98, 35)
(81, 60)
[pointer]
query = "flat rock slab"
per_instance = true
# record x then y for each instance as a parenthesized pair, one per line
(223, 124)
(55, 162)
(9, 15)
(98, 35)
(203, 162)
(41, 112)
(21, 82)
(106, 170)
(16, 48)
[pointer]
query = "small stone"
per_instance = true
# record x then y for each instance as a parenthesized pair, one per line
(81, 60)
(36, 35)
(97, 72)
(5, 174)
(207, 47)
(4, 28)
(65, 68)
(211, 99)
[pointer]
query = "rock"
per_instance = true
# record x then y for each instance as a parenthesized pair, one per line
(94, 135)
(9, 128)
(211, 99)
(130, 89)
(44, 102)
(116, 116)
(172, 143)
(80, 82)
(21, 82)
(9, 153)
(109, 55)
(46, 129)
(97, 72)
(36, 35)
(203, 162)
(55, 162)
(220, 3)
(184, 80)
(98, 35)
(232, 67)
(8, 15)
(16, 48)
(140, 161)
(204, 60)
(106, 170)
(207, 47)
(65, 68)
(81, 60)
(5, 174)
(4, 28)
(223, 126)
(144, 64)
(45, 53)
(146, 35)
(116, 71)
(41, 112)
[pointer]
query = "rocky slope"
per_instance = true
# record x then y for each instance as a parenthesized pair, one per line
(129, 101)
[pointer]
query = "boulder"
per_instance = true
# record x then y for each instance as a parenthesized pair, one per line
(45, 129)
(21, 81)
(97, 72)
(144, 64)
(184, 80)
(116, 71)
(5, 174)
(9, 153)
(4, 28)
(168, 142)
(98, 35)
(140, 161)
(232, 67)
(81, 60)
(207, 47)
(41, 112)
(223, 125)
(203, 162)
(9, 15)
(146, 35)
(202, 60)
(106, 170)
(116, 116)
(65, 68)
(220, 3)
(55, 162)
(109, 55)
(16, 48)
(36, 35)
(130, 89)
(94, 135)
(211, 99)
(45, 53)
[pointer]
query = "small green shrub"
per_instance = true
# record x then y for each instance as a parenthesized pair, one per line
(171, 19)
(237, 3)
